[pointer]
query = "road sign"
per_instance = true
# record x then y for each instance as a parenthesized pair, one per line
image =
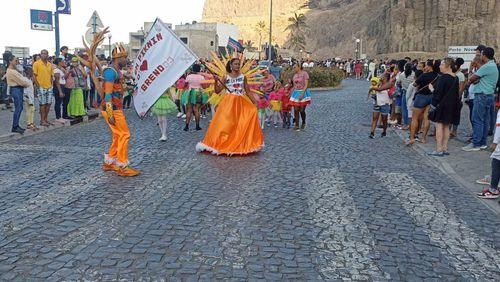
(63, 7)
(89, 35)
(41, 20)
(95, 21)
(20, 52)
(465, 52)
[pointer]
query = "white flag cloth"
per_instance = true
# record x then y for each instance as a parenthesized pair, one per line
(161, 61)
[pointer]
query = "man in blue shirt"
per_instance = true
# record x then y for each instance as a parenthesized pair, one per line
(275, 70)
(485, 80)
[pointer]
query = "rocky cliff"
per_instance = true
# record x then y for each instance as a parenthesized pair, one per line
(385, 26)
(247, 13)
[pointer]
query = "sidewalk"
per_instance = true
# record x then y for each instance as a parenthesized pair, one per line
(7, 115)
(464, 167)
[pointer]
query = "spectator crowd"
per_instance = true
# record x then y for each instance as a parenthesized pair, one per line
(51, 83)
(416, 95)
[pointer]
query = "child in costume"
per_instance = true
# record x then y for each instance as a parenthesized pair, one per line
(162, 108)
(180, 86)
(262, 105)
(194, 97)
(275, 98)
(234, 129)
(285, 105)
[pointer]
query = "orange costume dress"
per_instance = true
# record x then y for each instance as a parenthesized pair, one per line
(234, 129)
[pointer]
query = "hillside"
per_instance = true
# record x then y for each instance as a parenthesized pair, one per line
(386, 26)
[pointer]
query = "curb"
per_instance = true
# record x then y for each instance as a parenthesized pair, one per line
(15, 136)
(444, 167)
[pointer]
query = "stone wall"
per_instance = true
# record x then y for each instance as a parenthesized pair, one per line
(386, 26)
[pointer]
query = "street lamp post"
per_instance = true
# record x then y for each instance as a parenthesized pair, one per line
(109, 44)
(270, 47)
(357, 49)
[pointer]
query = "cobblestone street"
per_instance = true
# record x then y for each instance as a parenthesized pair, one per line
(326, 203)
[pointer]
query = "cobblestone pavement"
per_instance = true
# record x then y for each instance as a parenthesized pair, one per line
(326, 203)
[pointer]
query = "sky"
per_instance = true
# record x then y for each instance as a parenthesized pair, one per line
(15, 27)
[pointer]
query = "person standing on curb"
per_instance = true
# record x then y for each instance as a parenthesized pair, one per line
(44, 74)
(485, 80)
(61, 93)
(492, 192)
(16, 82)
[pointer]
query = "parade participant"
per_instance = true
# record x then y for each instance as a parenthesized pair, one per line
(285, 105)
(162, 108)
(267, 86)
(234, 129)
(117, 157)
(301, 96)
(275, 103)
(194, 97)
(262, 105)
(180, 86)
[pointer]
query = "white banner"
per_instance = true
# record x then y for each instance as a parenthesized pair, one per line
(161, 61)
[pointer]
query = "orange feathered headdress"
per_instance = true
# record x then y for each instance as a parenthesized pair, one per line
(119, 51)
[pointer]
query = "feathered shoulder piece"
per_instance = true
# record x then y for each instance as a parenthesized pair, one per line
(248, 68)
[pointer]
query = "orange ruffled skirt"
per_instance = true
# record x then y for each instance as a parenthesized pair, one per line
(234, 129)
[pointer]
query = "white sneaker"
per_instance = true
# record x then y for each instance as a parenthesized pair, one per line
(483, 147)
(163, 138)
(183, 116)
(179, 115)
(471, 148)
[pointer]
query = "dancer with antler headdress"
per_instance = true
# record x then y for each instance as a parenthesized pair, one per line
(234, 129)
(111, 93)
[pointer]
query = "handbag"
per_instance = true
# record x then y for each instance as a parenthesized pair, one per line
(433, 110)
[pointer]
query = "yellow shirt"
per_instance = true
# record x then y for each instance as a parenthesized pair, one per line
(43, 73)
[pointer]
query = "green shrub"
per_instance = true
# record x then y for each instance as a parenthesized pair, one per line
(318, 76)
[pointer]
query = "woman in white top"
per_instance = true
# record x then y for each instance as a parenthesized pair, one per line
(235, 128)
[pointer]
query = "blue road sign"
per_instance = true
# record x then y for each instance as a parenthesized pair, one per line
(63, 7)
(41, 20)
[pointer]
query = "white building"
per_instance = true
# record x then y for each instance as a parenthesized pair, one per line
(136, 39)
(202, 38)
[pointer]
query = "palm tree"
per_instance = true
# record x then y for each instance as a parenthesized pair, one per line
(297, 42)
(249, 45)
(297, 23)
(261, 29)
(297, 26)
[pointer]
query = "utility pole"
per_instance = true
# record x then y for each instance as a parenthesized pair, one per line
(56, 23)
(270, 47)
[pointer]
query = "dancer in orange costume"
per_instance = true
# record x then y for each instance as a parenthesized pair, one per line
(111, 93)
(234, 129)
(117, 157)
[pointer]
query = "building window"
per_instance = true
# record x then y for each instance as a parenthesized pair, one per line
(185, 40)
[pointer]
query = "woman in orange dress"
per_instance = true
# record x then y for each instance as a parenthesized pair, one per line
(234, 129)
